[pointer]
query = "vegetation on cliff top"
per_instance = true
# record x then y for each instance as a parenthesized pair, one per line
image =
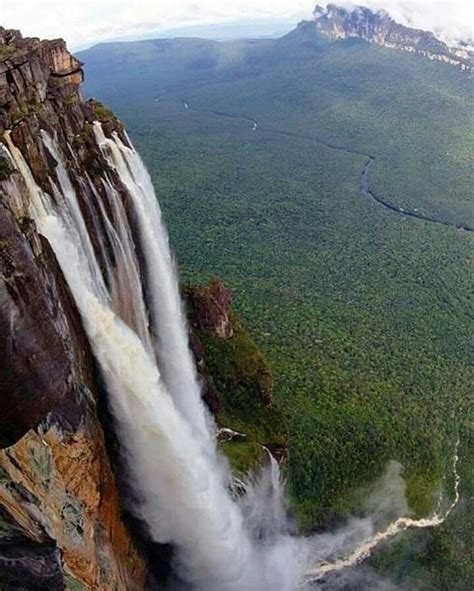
(104, 115)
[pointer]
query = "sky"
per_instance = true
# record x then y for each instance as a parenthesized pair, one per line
(84, 22)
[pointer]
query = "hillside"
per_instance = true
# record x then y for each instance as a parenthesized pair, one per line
(257, 151)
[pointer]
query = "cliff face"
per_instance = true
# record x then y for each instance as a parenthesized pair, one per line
(378, 28)
(60, 516)
(61, 524)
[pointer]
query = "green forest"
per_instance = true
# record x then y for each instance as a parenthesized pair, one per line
(363, 314)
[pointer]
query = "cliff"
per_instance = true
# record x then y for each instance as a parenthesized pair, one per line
(60, 515)
(62, 523)
(379, 28)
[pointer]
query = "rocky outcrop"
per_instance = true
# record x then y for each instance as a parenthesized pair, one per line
(237, 382)
(209, 308)
(379, 28)
(61, 524)
(60, 506)
(210, 317)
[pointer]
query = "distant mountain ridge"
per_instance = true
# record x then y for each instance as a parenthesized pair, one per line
(379, 28)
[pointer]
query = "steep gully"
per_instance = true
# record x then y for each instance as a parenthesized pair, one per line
(364, 178)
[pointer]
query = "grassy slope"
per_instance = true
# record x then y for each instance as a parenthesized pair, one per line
(363, 315)
(237, 370)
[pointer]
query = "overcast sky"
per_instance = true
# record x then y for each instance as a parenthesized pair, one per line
(82, 22)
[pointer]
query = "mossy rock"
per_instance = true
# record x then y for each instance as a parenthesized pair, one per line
(237, 372)
(95, 164)
(5, 168)
(6, 51)
(243, 456)
(72, 584)
(104, 115)
(240, 373)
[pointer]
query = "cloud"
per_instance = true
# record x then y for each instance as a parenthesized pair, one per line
(90, 21)
(451, 20)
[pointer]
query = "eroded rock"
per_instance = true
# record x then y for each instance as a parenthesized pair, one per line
(61, 524)
(379, 28)
(209, 308)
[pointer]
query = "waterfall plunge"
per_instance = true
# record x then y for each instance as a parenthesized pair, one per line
(179, 479)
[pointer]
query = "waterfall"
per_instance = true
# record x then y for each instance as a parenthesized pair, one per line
(177, 365)
(180, 481)
(138, 334)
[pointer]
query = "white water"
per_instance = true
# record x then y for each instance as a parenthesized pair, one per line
(364, 548)
(140, 342)
(180, 481)
(169, 325)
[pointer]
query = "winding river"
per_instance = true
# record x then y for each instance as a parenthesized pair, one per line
(365, 548)
(364, 178)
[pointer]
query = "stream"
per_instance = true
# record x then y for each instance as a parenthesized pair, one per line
(364, 178)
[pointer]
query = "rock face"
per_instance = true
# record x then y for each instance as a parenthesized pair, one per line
(208, 311)
(61, 518)
(211, 309)
(378, 28)
(61, 523)
(211, 319)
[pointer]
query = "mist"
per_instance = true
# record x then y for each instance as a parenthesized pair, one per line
(450, 21)
(93, 21)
